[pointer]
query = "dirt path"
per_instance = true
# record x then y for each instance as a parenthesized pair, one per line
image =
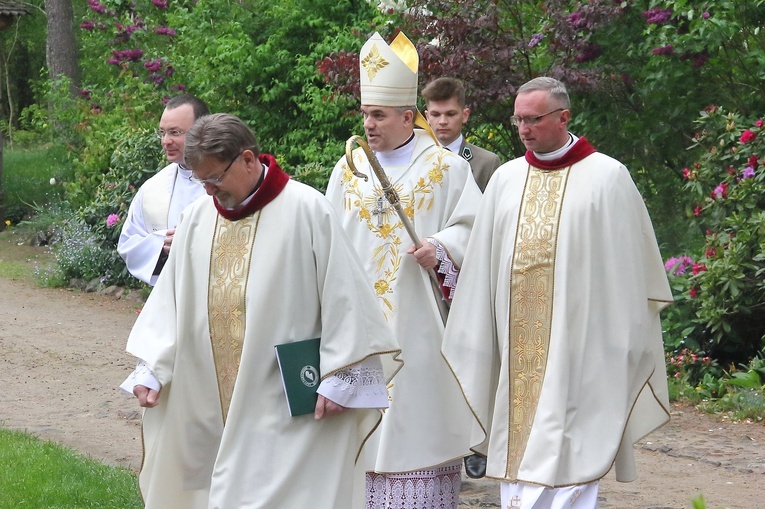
(62, 358)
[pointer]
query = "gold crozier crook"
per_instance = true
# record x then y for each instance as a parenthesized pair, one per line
(392, 196)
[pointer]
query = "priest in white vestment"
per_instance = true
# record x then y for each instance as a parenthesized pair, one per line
(156, 208)
(554, 332)
(264, 262)
(413, 459)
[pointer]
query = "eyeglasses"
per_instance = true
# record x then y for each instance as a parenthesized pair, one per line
(216, 180)
(531, 121)
(173, 133)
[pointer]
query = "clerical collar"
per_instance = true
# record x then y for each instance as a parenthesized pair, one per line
(557, 154)
(183, 170)
(399, 156)
(455, 145)
(274, 180)
(573, 153)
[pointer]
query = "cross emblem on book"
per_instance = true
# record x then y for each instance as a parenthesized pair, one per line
(380, 210)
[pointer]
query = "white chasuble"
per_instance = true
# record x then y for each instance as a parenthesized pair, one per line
(440, 197)
(221, 435)
(554, 331)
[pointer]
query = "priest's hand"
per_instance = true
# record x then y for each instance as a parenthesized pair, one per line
(146, 397)
(425, 256)
(327, 408)
(168, 240)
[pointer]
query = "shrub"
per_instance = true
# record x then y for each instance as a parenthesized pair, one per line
(721, 294)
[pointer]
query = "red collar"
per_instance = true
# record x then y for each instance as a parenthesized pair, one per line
(579, 151)
(272, 185)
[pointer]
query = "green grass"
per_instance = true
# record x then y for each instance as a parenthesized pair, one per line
(26, 181)
(36, 474)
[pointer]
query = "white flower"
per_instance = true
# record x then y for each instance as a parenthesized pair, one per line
(53, 181)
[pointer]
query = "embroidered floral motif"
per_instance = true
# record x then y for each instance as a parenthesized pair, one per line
(373, 62)
(373, 210)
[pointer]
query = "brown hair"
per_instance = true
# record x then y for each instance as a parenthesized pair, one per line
(443, 89)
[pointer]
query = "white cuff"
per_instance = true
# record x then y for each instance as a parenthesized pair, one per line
(360, 386)
(142, 375)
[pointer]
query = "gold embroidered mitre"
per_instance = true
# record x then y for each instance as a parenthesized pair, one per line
(388, 73)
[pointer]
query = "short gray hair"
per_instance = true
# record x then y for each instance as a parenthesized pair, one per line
(554, 88)
(220, 135)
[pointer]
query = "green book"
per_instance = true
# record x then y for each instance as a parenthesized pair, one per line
(299, 367)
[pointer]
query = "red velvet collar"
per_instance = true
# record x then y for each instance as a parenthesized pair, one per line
(272, 185)
(579, 151)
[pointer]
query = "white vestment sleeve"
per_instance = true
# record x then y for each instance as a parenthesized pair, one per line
(142, 375)
(359, 386)
(139, 248)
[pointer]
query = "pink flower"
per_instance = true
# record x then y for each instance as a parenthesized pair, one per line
(747, 136)
(686, 173)
(753, 161)
(694, 292)
(721, 191)
(112, 219)
(678, 265)
(697, 210)
(759, 123)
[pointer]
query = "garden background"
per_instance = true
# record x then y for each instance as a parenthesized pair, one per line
(673, 89)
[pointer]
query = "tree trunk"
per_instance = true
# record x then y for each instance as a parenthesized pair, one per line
(61, 51)
(2, 191)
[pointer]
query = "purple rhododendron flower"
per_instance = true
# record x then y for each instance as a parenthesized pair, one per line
(535, 39)
(748, 173)
(96, 6)
(162, 4)
(112, 219)
(577, 20)
(165, 31)
(153, 65)
(87, 25)
(678, 265)
(657, 16)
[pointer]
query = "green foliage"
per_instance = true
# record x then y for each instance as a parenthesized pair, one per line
(137, 157)
(27, 181)
(22, 50)
(722, 299)
(698, 503)
(43, 474)
(691, 368)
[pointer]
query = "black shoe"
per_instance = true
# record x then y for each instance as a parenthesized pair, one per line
(475, 466)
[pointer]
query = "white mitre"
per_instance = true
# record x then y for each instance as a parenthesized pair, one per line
(388, 73)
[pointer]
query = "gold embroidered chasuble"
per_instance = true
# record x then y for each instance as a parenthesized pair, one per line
(229, 271)
(231, 291)
(554, 332)
(440, 197)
